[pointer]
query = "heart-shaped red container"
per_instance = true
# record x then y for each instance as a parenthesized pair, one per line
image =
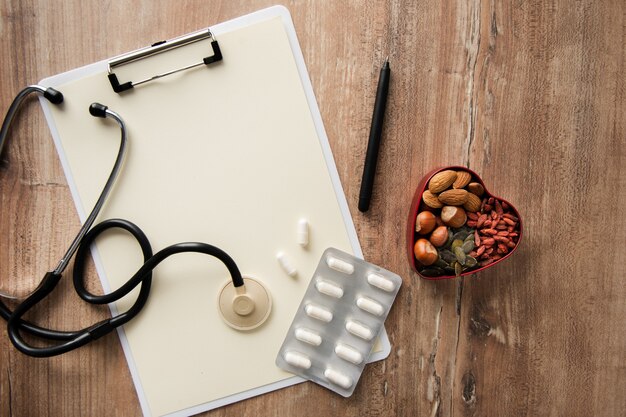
(418, 206)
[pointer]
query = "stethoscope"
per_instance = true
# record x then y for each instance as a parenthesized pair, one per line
(243, 307)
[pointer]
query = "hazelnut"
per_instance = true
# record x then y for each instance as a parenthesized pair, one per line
(439, 237)
(425, 222)
(476, 188)
(425, 252)
(453, 216)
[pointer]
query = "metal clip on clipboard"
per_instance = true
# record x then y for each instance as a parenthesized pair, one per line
(158, 48)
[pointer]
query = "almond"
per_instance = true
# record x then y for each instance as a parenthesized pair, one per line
(453, 197)
(476, 188)
(462, 179)
(441, 181)
(473, 203)
(431, 200)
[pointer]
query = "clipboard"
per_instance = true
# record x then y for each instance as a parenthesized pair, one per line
(232, 154)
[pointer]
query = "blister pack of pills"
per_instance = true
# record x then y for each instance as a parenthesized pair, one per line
(342, 312)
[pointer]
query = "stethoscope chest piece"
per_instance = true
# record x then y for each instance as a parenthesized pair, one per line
(245, 307)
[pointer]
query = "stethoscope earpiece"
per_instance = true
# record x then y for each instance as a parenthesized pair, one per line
(53, 96)
(98, 110)
(245, 307)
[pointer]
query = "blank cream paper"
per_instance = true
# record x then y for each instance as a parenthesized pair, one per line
(226, 154)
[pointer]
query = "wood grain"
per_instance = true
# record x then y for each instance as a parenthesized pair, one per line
(529, 94)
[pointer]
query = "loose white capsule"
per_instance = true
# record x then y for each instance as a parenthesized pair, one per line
(381, 282)
(297, 359)
(286, 264)
(359, 330)
(370, 306)
(308, 336)
(348, 353)
(303, 232)
(319, 313)
(329, 289)
(338, 378)
(339, 265)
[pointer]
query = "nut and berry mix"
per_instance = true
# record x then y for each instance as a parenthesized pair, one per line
(460, 228)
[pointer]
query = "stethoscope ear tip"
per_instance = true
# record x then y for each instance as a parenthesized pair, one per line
(98, 110)
(53, 96)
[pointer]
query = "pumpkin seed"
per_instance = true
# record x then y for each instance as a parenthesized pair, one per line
(470, 236)
(468, 246)
(441, 263)
(458, 269)
(460, 255)
(470, 261)
(457, 243)
(460, 235)
(432, 271)
(447, 256)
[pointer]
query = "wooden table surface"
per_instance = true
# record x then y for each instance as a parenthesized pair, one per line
(529, 94)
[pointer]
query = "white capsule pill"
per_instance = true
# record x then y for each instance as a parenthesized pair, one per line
(370, 306)
(319, 313)
(381, 282)
(329, 289)
(308, 336)
(297, 359)
(286, 264)
(303, 232)
(348, 353)
(359, 330)
(339, 265)
(338, 378)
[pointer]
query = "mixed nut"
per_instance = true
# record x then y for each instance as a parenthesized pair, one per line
(459, 228)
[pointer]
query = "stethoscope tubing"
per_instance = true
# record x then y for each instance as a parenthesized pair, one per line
(79, 249)
(103, 195)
